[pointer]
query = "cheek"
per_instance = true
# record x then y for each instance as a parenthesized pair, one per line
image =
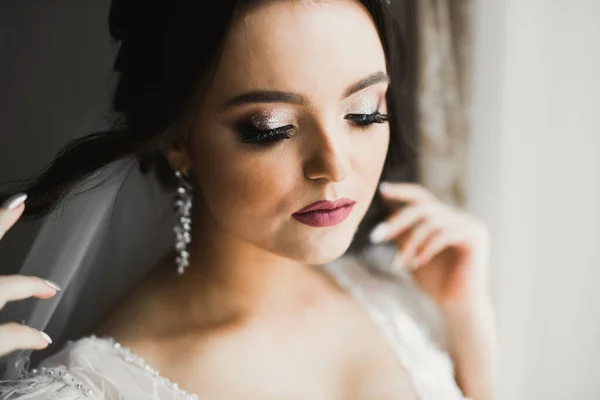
(242, 182)
(370, 153)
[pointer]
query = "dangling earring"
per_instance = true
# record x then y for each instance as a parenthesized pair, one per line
(183, 225)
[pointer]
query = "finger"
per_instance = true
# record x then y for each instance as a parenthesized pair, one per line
(15, 336)
(406, 192)
(10, 211)
(402, 220)
(423, 233)
(19, 287)
(438, 243)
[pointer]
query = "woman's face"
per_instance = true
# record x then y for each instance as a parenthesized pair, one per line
(291, 119)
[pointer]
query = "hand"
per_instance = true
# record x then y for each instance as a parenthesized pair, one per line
(446, 249)
(14, 336)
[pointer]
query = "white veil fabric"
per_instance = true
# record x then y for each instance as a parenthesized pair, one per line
(95, 246)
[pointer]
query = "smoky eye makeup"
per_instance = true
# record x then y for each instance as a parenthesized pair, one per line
(264, 128)
(365, 112)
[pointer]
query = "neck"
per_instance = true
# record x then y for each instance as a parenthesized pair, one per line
(228, 283)
(229, 279)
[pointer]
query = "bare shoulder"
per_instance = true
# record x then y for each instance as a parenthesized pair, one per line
(143, 309)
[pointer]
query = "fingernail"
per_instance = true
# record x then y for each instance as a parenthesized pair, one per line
(53, 285)
(14, 201)
(383, 186)
(379, 233)
(46, 337)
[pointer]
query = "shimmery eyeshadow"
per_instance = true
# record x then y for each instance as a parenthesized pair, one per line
(364, 106)
(271, 120)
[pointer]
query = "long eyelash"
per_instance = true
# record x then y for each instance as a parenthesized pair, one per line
(251, 135)
(363, 120)
(267, 136)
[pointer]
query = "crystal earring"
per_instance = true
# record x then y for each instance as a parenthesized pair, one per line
(183, 225)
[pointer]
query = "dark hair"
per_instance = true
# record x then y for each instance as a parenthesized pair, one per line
(168, 51)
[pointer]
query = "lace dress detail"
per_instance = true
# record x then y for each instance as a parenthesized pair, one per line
(58, 383)
(139, 362)
(94, 368)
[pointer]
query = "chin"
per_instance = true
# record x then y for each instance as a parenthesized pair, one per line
(322, 251)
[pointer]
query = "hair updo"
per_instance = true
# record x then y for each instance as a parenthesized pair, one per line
(168, 52)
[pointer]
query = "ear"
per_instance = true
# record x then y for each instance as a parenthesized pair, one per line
(178, 157)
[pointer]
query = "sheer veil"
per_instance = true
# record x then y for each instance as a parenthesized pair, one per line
(95, 246)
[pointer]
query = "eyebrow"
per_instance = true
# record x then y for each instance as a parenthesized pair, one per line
(271, 96)
(373, 79)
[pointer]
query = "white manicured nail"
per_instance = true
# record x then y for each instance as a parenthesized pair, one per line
(379, 233)
(53, 285)
(46, 337)
(14, 201)
(383, 186)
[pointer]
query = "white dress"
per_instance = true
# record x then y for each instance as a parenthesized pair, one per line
(101, 369)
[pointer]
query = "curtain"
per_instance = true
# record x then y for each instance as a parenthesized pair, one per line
(444, 38)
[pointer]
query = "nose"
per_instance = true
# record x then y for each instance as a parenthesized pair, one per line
(327, 159)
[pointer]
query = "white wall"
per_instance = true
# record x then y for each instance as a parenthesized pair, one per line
(535, 178)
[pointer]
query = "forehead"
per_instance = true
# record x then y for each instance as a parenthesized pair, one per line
(309, 47)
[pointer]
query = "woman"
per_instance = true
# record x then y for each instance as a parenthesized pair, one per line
(271, 118)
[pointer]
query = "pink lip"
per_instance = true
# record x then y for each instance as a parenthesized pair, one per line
(325, 212)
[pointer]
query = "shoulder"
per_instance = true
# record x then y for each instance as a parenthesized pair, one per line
(406, 316)
(374, 275)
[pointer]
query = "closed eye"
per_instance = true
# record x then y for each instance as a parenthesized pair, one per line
(363, 120)
(265, 136)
